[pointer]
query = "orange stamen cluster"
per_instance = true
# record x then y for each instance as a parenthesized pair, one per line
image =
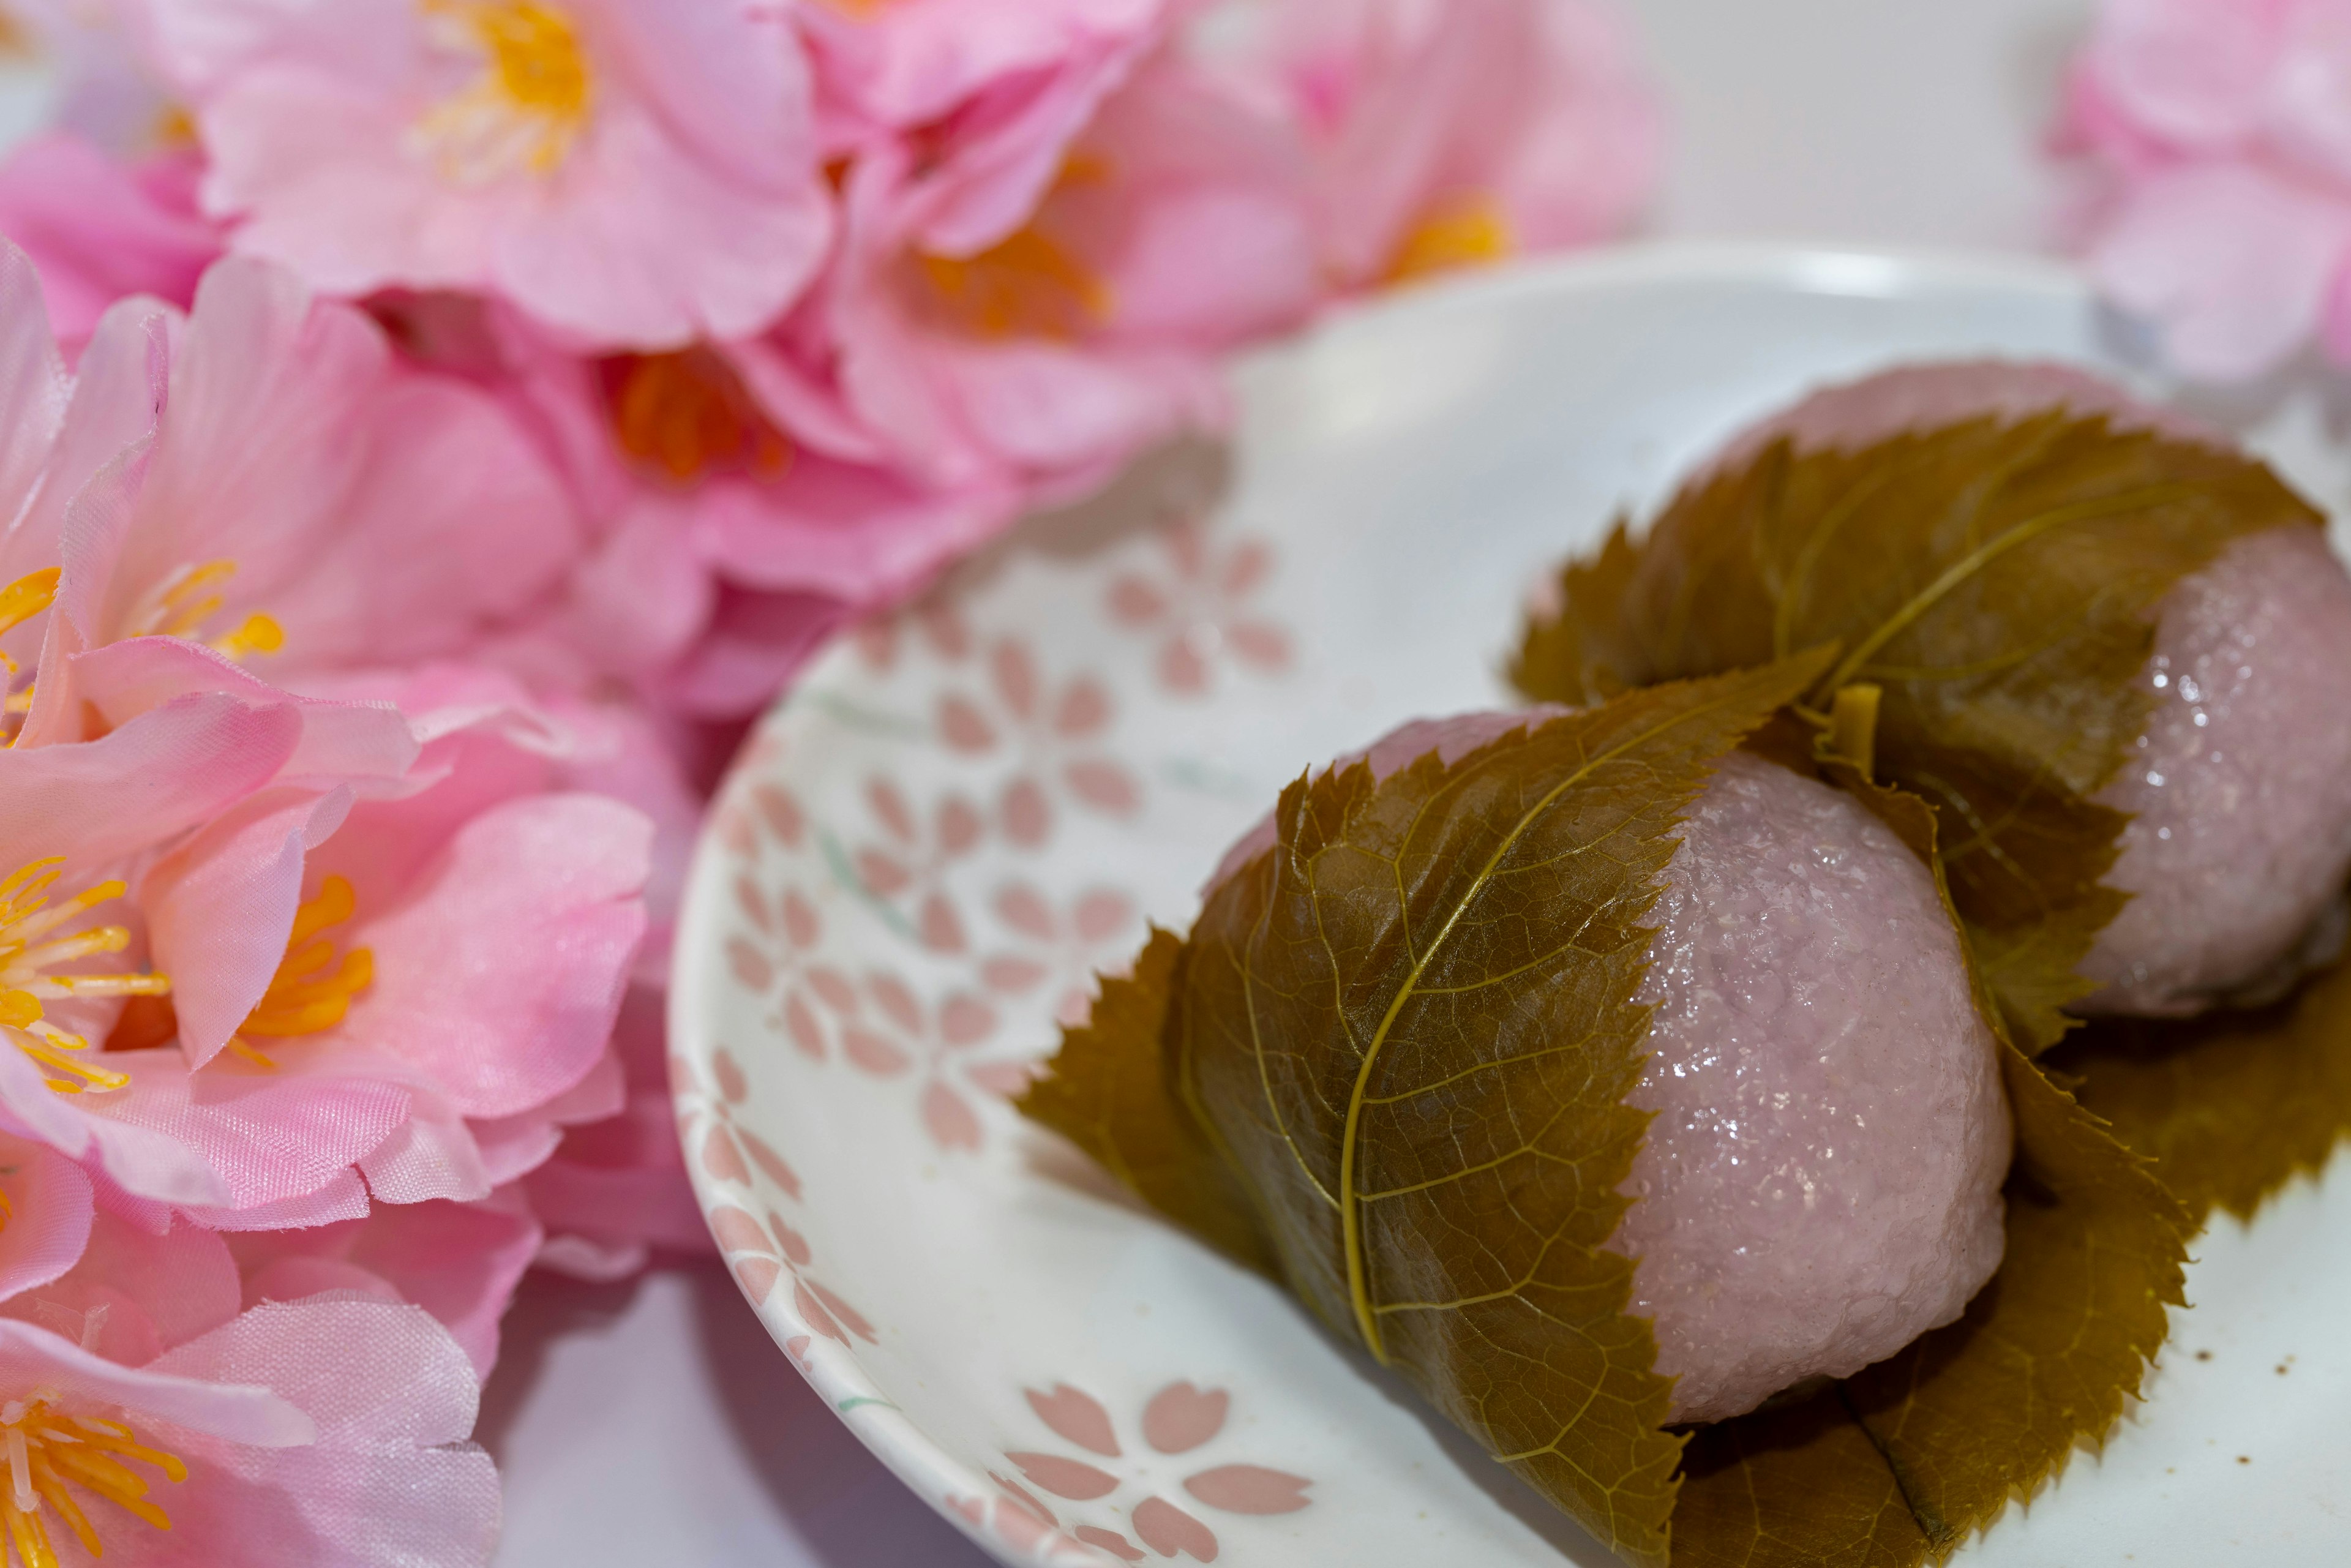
(48, 1452)
(1460, 234)
(29, 954)
(1029, 284)
(312, 989)
(531, 100)
(687, 413)
(1026, 286)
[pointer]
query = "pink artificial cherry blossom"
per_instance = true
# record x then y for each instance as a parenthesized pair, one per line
(996, 87)
(631, 171)
(1451, 131)
(2220, 191)
(460, 1261)
(162, 1426)
(1052, 342)
(304, 502)
(100, 228)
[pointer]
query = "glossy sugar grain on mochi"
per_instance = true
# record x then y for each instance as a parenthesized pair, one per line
(1820, 1184)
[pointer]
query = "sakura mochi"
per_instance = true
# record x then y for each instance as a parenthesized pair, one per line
(2240, 789)
(1821, 1182)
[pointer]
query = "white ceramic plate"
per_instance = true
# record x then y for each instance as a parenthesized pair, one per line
(956, 817)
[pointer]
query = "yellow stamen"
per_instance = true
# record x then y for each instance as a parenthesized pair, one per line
(182, 602)
(27, 597)
(1459, 234)
(687, 413)
(256, 633)
(47, 1453)
(19, 602)
(26, 979)
(528, 105)
(311, 990)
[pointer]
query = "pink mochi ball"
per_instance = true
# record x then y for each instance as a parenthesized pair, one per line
(1821, 1181)
(2241, 788)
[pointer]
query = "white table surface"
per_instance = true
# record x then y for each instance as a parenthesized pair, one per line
(652, 1422)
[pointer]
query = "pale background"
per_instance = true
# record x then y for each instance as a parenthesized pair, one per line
(653, 1423)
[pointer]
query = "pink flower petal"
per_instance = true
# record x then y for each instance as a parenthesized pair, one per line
(965, 1019)
(1075, 1417)
(729, 1074)
(1027, 817)
(770, 1162)
(1180, 1418)
(813, 1312)
(869, 1053)
(1250, 1488)
(1168, 1530)
(781, 813)
(1072, 1478)
(1102, 913)
(1109, 1540)
(1104, 785)
(961, 725)
(940, 928)
(737, 1231)
(758, 1276)
(950, 1122)
(802, 927)
(848, 1316)
(721, 1160)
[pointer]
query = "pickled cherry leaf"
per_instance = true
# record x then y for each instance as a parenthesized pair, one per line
(1997, 582)
(2230, 1106)
(1408, 1028)
(1112, 1093)
(1907, 1458)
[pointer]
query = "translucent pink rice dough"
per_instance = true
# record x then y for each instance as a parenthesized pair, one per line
(2241, 842)
(1820, 1184)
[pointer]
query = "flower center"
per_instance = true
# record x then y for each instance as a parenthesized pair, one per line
(311, 990)
(689, 414)
(1029, 284)
(182, 602)
(527, 107)
(48, 1452)
(1457, 234)
(29, 955)
(1026, 286)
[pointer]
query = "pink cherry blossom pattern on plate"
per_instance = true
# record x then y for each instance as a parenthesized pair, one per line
(1059, 949)
(1178, 1421)
(708, 1131)
(903, 872)
(762, 1256)
(1202, 610)
(1054, 729)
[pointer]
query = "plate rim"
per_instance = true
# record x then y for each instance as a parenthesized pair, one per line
(1850, 271)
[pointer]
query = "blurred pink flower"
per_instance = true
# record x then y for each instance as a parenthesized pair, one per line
(741, 513)
(162, 1426)
(460, 1261)
(994, 91)
(99, 227)
(1050, 345)
(2218, 135)
(616, 1189)
(305, 501)
(1447, 132)
(633, 172)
